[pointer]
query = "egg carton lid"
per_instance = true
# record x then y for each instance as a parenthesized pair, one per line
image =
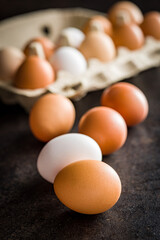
(17, 31)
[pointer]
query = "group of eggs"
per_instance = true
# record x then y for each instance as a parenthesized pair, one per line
(72, 161)
(37, 65)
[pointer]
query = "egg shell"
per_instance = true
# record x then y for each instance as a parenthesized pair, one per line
(98, 45)
(10, 60)
(69, 59)
(130, 36)
(47, 44)
(106, 127)
(128, 100)
(71, 36)
(51, 116)
(125, 12)
(151, 24)
(98, 23)
(88, 187)
(63, 150)
(34, 73)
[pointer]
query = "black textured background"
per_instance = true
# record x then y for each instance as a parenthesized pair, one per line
(29, 208)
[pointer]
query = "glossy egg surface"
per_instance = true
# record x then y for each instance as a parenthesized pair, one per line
(88, 187)
(63, 150)
(106, 126)
(128, 100)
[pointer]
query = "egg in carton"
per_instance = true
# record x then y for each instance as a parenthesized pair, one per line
(98, 75)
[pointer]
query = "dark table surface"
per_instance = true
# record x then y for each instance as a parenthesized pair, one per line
(29, 208)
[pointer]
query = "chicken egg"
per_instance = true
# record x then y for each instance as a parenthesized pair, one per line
(10, 60)
(51, 116)
(69, 59)
(125, 13)
(151, 24)
(106, 127)
(130, 36)
(88, 186)
(98, 45)
(128, 100)
(34, 73)
(98, 23)
(47, 44)
(63, 150)
(71, 36)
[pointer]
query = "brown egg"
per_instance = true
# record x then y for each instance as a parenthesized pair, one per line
(98, 45)
(151, 25)
(125, 12)
(47, 44)
(106, 127)
(88, 186)
(128, 100)
(10, 60)
(130, 36)
(51, 116)
(98, 23)
(34, 73)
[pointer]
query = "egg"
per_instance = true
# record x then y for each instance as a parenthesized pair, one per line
(106, 127)
(36, 49)
(98, 45)
(47, 44)
(69, 59)
(129, 36)
(128, 100)
(51, 116)
(125, 13)
(34, 73)
(70, 36)
(98, 23)
(151, 24)
(88, 186)
(10, 60)
(64, 150)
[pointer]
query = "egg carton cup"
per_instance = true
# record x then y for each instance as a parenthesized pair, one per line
(18, 30)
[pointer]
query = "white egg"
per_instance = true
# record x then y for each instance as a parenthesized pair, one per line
(63, 150)
(71, 37)
(69, 59)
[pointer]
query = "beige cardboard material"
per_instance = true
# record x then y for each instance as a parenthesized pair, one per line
(18, 30)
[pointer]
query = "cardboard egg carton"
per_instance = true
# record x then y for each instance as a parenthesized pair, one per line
(18, 30)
